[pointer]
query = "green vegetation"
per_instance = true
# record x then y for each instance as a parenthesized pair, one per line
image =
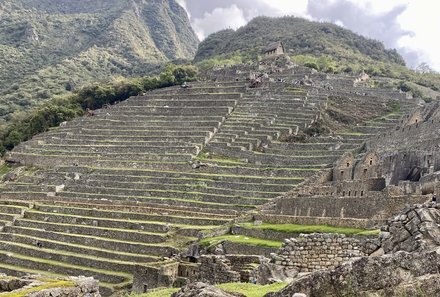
(51, 48)
(251, 290)
(322, 46)
(240, 239)
(49, 285)
(300, 36)
(247, 289)
(293, 228)
(53, 112)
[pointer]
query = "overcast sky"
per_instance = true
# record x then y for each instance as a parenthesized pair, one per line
(410, 26)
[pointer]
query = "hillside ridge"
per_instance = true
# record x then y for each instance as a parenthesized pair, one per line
(300, 37)
(52, 47)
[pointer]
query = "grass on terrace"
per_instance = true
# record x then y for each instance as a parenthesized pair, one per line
(249, 290)
(294, 228)
(240, 239)
(49, 285)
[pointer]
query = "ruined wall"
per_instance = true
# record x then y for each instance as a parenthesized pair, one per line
(217, 270)
(311, 252)
(147, 278)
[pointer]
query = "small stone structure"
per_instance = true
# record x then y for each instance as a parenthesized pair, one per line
(274, 49)
(217, 270)
(211, 269)
(310, 252)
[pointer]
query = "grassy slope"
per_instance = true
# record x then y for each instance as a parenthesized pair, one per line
(249, 290)
(293, 228)
(46, 46)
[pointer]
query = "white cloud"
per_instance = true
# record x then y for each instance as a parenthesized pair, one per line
(413, 27)
(288, 7)
(220, 18)
(339, 23)
(423, 19)
(183, 4)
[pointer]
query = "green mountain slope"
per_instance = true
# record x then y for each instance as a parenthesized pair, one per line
(300, 37)
(49, 47)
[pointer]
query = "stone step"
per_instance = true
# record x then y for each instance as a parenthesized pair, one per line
(94, 155)
(80, 141)
(52, 266)
(47, 222)
(183, 95)
(131, 225)
(185, 188)
(119, 138)
(155, 202)
(160, 219)
(6, 217)
(97, 242)
(78, 248)
(194, 175)
(133, 105)
(138, 123)
(11, 209)
(200, 183)
(208, 88)
(83, 260)
(231, 202)
(173, 131)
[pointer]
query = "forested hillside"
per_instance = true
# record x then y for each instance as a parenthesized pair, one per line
(323, 46)
(50, 47)
(300, 37)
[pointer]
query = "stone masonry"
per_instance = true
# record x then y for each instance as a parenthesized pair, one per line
(217, 270)
(311, 252)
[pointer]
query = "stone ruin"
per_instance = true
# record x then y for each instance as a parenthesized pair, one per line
(407, 262)
(124, 190)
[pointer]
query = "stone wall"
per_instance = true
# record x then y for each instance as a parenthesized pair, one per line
(217, 270)
(311, 252)
(378, 207)
(395, 275)
(146, 278)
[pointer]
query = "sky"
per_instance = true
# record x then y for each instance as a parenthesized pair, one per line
(412, 27)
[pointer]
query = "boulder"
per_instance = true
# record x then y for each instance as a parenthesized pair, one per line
(269, 273)
(414, 230)
(203, 290)
(392, 275)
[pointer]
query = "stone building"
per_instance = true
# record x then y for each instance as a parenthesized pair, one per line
(274, 49)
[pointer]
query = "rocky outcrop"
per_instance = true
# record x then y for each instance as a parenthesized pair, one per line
(398, 274)
(415, 229)
(268, 273)
(83, 287)
(33, 286)
(203, 290)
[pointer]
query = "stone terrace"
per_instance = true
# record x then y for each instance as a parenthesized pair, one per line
(139, 180)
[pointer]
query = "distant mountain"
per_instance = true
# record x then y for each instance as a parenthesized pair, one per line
(50, 47)
(300, 37)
